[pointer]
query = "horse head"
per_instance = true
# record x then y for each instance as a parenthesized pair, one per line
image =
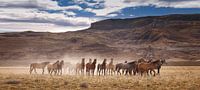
(163, 61)
(62, 62)
(83, 60)
(95, 61)
(104, 61)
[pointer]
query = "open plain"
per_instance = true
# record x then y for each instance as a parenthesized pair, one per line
(171, 78)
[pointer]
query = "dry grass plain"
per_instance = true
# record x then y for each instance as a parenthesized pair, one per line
(171, 78)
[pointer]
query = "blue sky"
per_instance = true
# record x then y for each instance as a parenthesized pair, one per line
(71, 15)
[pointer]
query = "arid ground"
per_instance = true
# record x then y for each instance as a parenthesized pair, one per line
(171, 78)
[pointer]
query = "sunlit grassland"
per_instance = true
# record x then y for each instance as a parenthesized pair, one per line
(171, 78)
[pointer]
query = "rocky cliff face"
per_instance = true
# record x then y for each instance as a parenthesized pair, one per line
(171, 36)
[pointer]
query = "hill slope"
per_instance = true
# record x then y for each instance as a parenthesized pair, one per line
(171, 36)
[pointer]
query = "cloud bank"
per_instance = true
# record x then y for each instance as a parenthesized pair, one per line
(70, 15)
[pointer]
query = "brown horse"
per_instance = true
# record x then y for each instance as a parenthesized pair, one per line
(53, 68)
(90, 67)
(111, 67)
(60, 66)
(146, 67)
(35, 66)
(101, 68)
(80, 67)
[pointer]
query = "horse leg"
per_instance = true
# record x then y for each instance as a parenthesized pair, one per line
(109, 72)
(61, 71)
(81, 71)
(42, 70)
(31, 69)
(35, 70)
(141, 72)
(158, 70)
(151, 72)
(154, 73)
(93, 72)
(104, 72)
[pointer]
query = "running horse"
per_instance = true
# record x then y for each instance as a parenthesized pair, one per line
(102, 68)
(90, 67)
(35, 66)
(53, 68)
(111, 67)
(146, 67)
(119, 67)
(80, 67)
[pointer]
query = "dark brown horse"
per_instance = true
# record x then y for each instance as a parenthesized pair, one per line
(90, 67)
(162, 61)
(101, 68)
(80, 67)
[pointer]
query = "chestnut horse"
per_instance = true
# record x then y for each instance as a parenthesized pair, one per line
(101, 68)
(80, 67)
(35, 66)
(90, 67)
(146, 67)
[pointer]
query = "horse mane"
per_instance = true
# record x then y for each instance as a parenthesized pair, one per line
(104, 61)
(56, 62)
(132, 62)
(94, 61)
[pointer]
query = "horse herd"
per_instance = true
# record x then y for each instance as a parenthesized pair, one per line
(140, 67)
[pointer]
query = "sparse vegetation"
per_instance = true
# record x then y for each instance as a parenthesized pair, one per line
(171, 78)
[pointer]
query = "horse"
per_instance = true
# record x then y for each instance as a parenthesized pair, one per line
(90, 67)
(162, 61)
(80, 67)
(119, 67)
(35, 66)
(101, 68)
(60, 66)
(53, 68)
(127, 68)
(111, 67)
(130, 67)
(145, 67)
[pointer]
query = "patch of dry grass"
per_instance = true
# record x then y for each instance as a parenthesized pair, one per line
(171, 78)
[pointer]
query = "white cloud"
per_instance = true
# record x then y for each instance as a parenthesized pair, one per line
(22, 15)
(111, 6)
(112, 15)
(39, 27)
(30, 14)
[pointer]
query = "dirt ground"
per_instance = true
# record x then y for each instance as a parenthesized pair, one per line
(171, 78)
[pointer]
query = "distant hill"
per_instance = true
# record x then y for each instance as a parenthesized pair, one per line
(171, 36)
